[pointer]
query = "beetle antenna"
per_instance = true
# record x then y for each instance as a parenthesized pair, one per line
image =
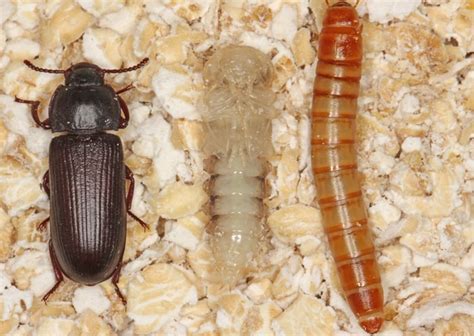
(132, 68)
(35, 68)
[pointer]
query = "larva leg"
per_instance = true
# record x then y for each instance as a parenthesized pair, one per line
(335, 164)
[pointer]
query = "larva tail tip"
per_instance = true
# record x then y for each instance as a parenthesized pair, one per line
(372, 325)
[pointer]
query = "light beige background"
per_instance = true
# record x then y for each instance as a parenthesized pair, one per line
(415, 154)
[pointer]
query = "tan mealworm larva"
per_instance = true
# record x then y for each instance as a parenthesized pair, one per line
(334, 161)
(238, 117)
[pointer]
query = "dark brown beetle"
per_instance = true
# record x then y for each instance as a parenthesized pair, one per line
(86, 177)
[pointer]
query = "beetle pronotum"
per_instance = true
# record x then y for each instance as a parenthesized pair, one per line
(238, 113)
(334, 162)
(86, 177)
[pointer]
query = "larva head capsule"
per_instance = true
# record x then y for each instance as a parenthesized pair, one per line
(340, 40)
(341, 14)
(239, 67)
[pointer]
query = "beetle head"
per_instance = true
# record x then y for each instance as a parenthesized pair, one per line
(84, 74)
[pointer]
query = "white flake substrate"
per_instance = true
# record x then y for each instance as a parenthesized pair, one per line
(42, 280)
(166, 83)
(22, 46)
(94, 51)
(122, 21)
(17, 119)
(150, 131)
(99, 8)
(382, 11)
(155, 143)
(429, 313)
(181, 234)
(92, 298)
(284, 23)
(12, 297)
(6, 10)
(411, 144)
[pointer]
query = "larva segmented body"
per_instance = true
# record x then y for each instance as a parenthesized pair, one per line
(238, 113)
(334, 162)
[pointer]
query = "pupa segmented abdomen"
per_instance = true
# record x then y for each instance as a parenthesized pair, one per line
(238, 112)
(237, 216)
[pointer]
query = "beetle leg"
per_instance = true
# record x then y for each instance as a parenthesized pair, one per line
(131, 188)
(57, 272)
(45, 183)
(34, 112)
(128, 87)
(41, 226)
(115, 280)
(126, 115)
(123, 106)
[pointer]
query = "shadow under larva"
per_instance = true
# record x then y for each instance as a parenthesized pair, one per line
(237, 114)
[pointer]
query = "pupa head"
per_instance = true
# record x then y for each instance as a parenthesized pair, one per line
(238, 66)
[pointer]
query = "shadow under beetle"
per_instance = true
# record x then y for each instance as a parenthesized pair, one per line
(86, 177)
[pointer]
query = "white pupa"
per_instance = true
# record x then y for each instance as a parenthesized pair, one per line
(238, 112)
